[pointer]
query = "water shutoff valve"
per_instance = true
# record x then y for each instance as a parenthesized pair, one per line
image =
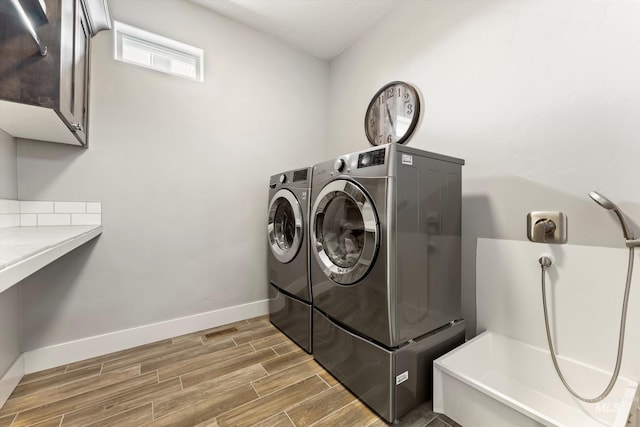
(547, 227)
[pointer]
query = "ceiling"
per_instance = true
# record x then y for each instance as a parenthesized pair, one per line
(323, 28)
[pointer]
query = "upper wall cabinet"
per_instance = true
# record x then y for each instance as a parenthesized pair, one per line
(45, 96)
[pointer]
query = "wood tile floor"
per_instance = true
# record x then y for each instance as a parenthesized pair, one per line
(243, 374)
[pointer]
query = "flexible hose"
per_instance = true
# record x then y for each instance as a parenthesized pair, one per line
(623, 321)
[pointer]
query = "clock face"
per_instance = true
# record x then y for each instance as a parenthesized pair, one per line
(392, 114)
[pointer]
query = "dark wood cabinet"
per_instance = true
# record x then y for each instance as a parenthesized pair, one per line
(47, 97)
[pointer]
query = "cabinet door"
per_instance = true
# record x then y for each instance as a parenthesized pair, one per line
(74, 81)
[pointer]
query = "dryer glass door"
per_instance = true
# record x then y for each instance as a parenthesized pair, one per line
(345, 231)
(285, 225)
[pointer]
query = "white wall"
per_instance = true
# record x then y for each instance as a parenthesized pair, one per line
(9, 300)
(182, 171)
(8, 166)
(540, 98)
(585, 287)
(10, 344)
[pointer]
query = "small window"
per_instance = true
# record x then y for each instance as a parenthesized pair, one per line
(149, 50)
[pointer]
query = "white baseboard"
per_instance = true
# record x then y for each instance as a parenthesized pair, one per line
(10, 379)
(73, 351)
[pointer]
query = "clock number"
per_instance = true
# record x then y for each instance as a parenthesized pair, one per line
(372, 125)
(381, 138)
(406, 97)
(399, 92)
(389, 139)
(410, 109)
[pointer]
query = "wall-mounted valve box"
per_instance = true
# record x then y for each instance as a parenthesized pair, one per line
(547, 227)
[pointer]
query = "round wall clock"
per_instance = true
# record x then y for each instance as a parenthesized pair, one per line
(392, 114)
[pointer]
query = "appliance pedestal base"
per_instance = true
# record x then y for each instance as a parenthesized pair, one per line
(291, 316)
(391, 382)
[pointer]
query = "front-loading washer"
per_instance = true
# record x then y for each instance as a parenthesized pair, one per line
(288, 255)
(385, 227)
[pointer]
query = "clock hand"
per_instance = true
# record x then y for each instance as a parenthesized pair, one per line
(390, 119)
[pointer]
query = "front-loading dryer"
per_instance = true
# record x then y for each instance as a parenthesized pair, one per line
(385, 227)
(288, 255)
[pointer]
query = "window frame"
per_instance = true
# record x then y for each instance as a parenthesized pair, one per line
(156, 44)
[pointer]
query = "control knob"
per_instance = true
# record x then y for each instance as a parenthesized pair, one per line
(339, 165)
(282, 179)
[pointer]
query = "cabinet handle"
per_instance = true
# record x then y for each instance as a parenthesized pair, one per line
(27, 23)
(76, 127)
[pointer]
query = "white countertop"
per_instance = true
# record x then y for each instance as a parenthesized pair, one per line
(24, 250)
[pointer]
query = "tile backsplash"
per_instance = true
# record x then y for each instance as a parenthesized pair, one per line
(26, 213)
(9, 213)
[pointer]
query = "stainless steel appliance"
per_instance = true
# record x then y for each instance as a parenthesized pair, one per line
(288, 255)
(385, 271)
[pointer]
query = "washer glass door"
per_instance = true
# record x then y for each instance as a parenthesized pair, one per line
(285, 225)
(345, 231)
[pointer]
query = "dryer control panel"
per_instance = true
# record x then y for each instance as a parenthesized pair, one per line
(371, 158)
